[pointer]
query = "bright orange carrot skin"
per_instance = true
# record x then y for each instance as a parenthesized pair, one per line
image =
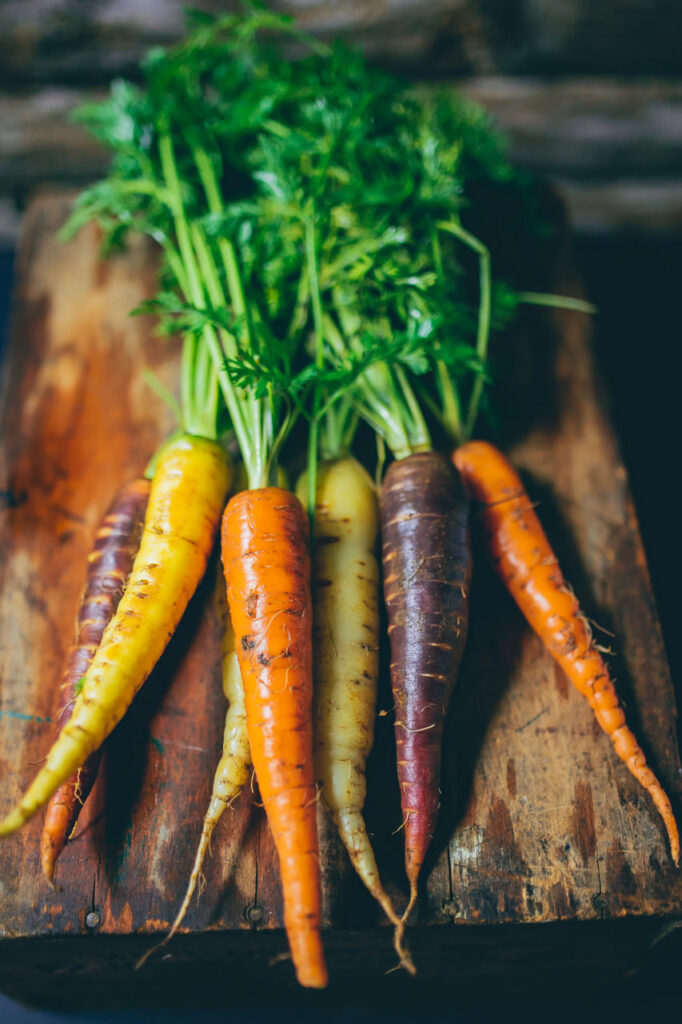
(109, 565)
(267, 570)
(529, 568)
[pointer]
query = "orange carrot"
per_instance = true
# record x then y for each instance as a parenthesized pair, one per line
(267, 570)
(529, 568)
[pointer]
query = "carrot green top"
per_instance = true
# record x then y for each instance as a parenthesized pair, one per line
(184, 173)
(313, 216)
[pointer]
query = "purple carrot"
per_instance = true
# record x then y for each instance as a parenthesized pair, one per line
(110, 562)
(427, 572)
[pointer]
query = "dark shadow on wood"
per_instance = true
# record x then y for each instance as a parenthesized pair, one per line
(494, 647)
(129, 747)
(235, 830)
(383, 814)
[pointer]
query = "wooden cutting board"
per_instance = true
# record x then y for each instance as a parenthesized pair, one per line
(542, 830)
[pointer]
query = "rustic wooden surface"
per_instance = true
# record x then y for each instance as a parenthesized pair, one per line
(77, 41)
(539, 821)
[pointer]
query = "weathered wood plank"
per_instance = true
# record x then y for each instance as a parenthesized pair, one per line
(539, 821)
(88, 41)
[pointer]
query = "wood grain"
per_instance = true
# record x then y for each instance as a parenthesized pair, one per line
(539, 822)
(72, 41)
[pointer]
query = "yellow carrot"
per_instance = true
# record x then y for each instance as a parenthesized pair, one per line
(345, 586)
(185, 503)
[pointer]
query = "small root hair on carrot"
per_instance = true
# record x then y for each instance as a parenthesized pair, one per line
(402, 826)
(600, 628)
(314, 799)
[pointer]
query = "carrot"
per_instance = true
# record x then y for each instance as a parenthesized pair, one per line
(529, 569)
(267, 570)
(234, 766)
(185, 502)
(427, 572)
(346, 655)
(110, 562)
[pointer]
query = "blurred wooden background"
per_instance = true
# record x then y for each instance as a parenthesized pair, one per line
(590, 93)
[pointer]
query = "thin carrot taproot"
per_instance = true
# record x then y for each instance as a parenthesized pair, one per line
(529, 569)
(267, 571)
(234, 767)
(109, 564)
(187, 495)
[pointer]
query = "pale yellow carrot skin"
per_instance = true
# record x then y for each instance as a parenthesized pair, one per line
(186, 500)
(234, 767)
(346, 652)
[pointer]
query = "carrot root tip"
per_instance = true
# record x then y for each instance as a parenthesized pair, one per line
(404, 956)
(145, 956)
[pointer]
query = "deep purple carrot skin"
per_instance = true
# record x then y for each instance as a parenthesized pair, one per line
(110, 562)
(427, 573)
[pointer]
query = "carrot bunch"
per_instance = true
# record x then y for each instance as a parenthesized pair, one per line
(318, 260)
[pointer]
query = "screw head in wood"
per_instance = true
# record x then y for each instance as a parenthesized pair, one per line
(600, 903)
(254, 914)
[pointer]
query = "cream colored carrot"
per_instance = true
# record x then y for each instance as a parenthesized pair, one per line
(346, 655)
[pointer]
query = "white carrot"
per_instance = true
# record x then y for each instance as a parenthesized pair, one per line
(346, 656)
